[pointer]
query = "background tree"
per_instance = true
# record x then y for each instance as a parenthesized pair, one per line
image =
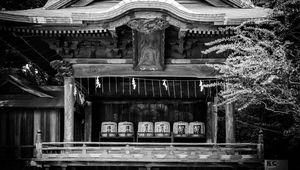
(262, 77)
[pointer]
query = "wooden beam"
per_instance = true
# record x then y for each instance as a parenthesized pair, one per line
(69, 102)
(88, 122)
(229, 123)
(178, 70)
(129, 61)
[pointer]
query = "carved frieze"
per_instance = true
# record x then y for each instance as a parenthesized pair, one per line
(148, 26)
(113, 46)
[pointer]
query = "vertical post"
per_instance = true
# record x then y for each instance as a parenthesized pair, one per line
(88, 122)
(215, 120)
(229, 123)
(69, 102)
(38, 144)
(260, 146)
(3, 129)
(36, 124)
(209, 122)
(18, 134)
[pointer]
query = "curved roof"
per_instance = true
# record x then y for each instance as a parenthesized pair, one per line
(108, 11)
(57, 4)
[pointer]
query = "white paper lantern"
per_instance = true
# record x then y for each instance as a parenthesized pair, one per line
(125, 129)
(145, 129)
(180, 128)
(108, 129)
(162, 128)
(196, 128)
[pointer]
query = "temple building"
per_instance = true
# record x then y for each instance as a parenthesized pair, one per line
(137, 91)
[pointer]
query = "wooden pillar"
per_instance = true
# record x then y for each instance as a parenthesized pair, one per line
(3, 128)
(212, 121)
(88, 122)
(260, 147)
(209, 122)
(229, 123)
(36, 124)
(38, 144)
(215, 121)
(69, 102)
(54, 126)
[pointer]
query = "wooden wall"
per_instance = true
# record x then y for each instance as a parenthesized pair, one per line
(18, 127)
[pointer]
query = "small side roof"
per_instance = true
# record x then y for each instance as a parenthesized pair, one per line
(24, 85)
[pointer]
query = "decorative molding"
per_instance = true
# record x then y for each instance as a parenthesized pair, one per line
(54, 31)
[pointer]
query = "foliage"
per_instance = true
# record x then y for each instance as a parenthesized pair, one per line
(263, 68)
(257, 71)
(29, 71)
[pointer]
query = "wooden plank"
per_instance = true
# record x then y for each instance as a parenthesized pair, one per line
(229, 123)
(180, 70)
(88, 122)
(69, 102)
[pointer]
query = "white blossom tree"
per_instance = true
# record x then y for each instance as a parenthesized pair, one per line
(257, 71)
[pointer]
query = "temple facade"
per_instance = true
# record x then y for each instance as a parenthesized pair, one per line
(137, 91)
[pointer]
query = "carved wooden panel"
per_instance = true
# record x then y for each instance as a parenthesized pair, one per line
(149, 51)
(148, 43)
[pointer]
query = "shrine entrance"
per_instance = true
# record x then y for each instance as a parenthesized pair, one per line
(146, 99)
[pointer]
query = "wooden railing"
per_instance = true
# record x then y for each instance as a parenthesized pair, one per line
(133, 153)
(150, 152)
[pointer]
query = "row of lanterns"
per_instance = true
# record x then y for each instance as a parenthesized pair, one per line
(148, 129)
